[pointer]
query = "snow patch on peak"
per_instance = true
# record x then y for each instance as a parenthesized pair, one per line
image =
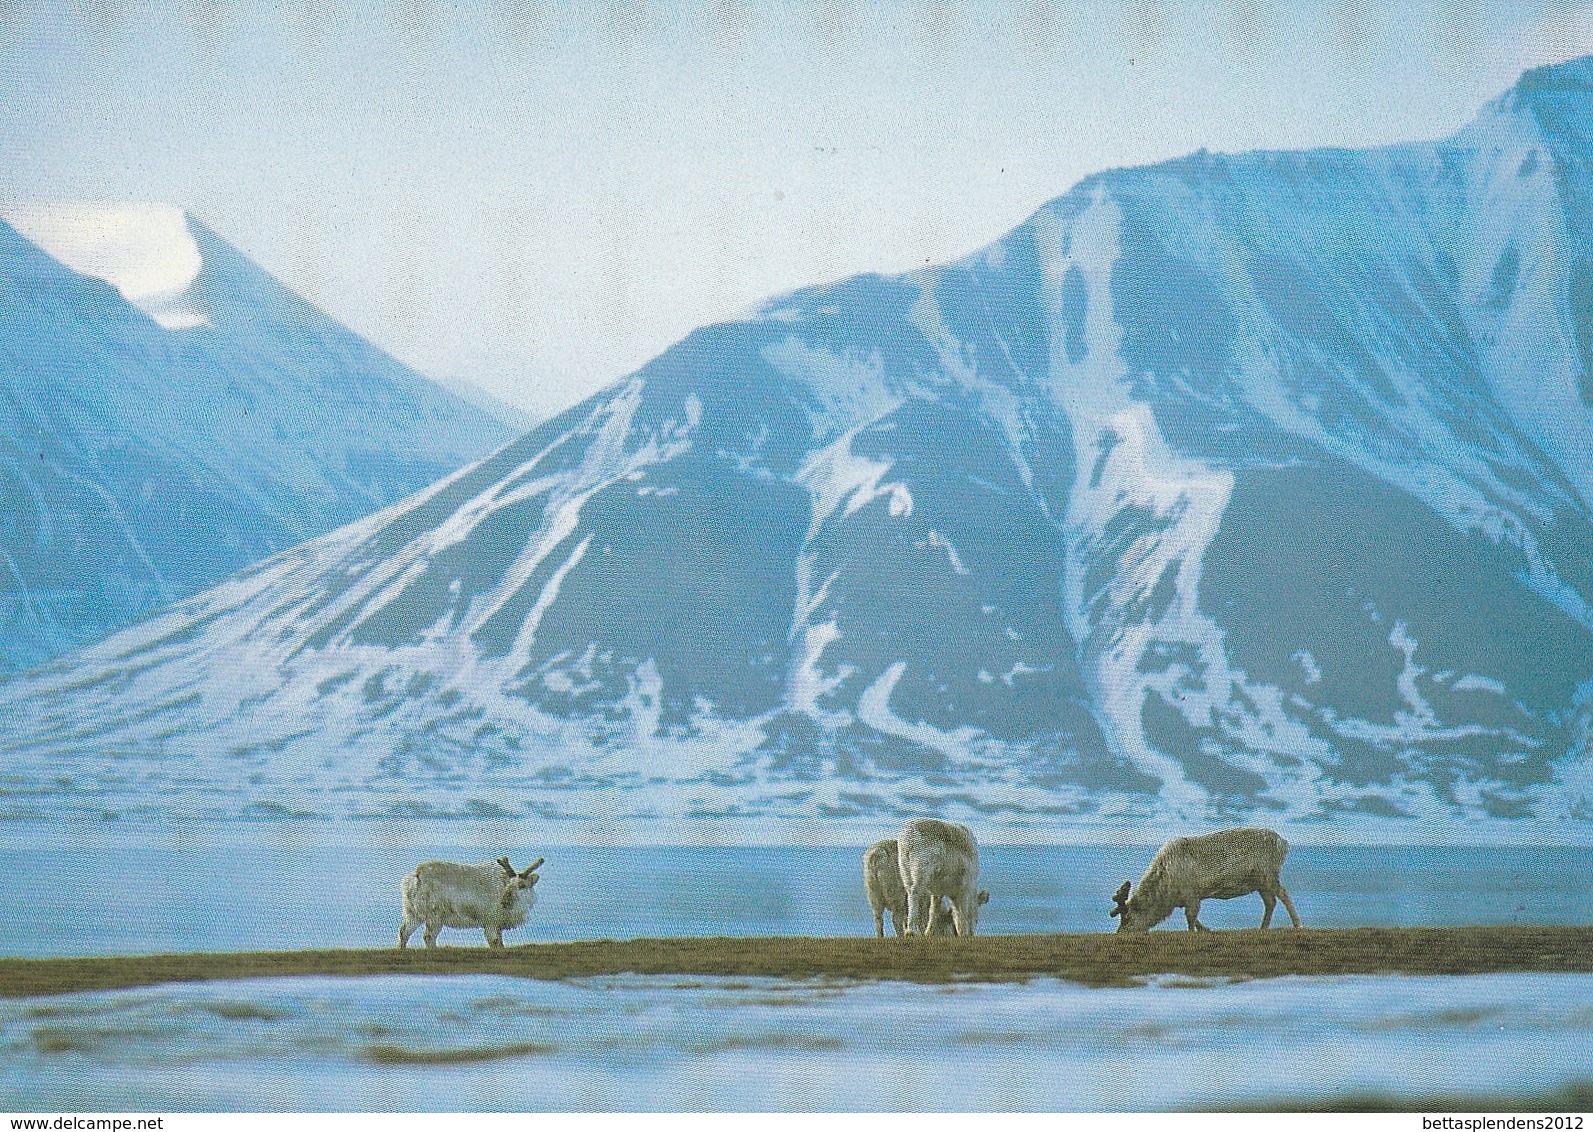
(807, 684)
(1474, 683)
(835, 474)
(1421, 713)
(1308, 665)
(940, 542)
(874, 709)
(850, 391)
(145, 251)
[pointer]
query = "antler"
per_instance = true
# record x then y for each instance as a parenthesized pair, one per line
(1120, 898)
(503, 863)
(535, 865)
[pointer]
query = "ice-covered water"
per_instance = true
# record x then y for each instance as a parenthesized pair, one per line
(485, 1043)
(282, 887)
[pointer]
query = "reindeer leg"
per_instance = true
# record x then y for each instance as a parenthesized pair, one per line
(879, 922)
(1270, 901)
(1192, 914)
(431, 934)
(1289, 905)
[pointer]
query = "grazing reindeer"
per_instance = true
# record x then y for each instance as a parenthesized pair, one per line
(939, 858)
(882, 881)
(1219, 866)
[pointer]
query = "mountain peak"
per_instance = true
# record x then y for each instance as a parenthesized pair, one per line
(146, 251)
(172, 413)
(1571, 75)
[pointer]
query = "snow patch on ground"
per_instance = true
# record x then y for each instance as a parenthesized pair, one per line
(663, 1043)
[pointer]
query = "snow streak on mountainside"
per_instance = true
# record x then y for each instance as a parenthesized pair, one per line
(1236, 488)
(170, 414)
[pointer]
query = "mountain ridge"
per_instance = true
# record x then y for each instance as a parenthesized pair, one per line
(148, 460)
(1219, 490)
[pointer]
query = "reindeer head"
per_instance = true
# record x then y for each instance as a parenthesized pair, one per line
(517, 886)
(1120, 898)
(980, 899)
(1131, 917)
(940, 918)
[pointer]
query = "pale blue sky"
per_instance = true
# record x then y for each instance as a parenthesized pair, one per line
(539, 197)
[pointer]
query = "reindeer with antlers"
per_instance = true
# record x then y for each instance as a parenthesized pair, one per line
(492, 897)
(1218, 866)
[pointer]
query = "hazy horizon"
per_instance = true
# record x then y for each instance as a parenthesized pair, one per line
(537, 199)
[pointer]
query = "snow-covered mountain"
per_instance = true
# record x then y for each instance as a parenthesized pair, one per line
(1236, 488)
(169, 414)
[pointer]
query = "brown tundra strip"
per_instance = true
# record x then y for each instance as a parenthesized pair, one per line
(1104, 959)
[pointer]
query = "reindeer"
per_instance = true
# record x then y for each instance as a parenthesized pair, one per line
(492, 897)
(1218, 866)
(939, 858)
(882, 882)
